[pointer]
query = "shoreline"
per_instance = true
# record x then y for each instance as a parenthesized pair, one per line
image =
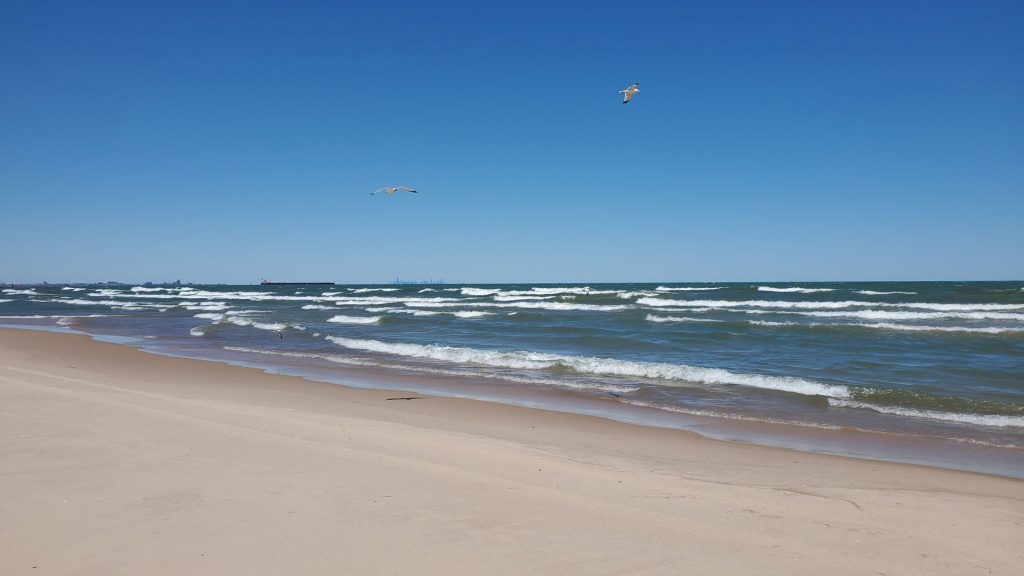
(142, 462)
(843, 441)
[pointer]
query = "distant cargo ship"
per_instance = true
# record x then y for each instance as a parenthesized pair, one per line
(269, 283)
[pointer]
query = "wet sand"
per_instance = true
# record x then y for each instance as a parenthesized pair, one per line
(115, 461)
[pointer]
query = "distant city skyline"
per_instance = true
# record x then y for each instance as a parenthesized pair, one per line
(783, 141)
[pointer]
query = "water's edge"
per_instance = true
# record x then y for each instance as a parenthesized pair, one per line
(859, 444)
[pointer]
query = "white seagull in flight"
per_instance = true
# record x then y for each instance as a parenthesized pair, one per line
(627, 94)
(392, 190)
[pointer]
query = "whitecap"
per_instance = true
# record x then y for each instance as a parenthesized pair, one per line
(783, 304)
(908, 315)
(794, 289)
(479, 291)
(260, 325)
(967, 418)
(340, 319)
(918, 328)
(770, 323)
(528, 304)
(874, 293)
(471, 314)
(687, 288)
(653, 318)
(599, 366)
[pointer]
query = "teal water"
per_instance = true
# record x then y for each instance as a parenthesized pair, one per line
(940, 360)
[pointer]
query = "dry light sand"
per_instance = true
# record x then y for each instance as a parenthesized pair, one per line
(115, 461)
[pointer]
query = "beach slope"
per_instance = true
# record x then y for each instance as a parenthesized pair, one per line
(115, 461)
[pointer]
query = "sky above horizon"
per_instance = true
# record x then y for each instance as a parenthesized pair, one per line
(233, 141)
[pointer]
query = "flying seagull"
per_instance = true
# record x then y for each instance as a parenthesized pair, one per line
(627, 94)
(393, 189)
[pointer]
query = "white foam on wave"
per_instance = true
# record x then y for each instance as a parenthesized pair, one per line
(73, 289)
(147, 289)
(328, 297)
(919, 328)
(536, 291)
(209, 316)
(793, 289)
(409, 311)
(875, 293)
(520, 298)
(364, 290)
(2, 300)
(906, 315)
(318, 307)
(528, 304)
(590, 365)
(415, 312)
(770, 323)
(207, 306)
(479, 291)
(108, 292)
(111, 303)
(340, 319)
(687, 288)
(14, 292)
(38, 316)
(70, 320)
(653, 318)
(238, 321)
(197, 331)
(343, 359)
(828, 305)
(967, 418)
(630, 295)
(471, 313)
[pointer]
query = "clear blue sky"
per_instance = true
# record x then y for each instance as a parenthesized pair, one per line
(228, 141)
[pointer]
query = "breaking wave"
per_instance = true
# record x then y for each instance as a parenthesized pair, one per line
(979, 419)
(687, 288)
(918, 328)
(275, 326)
(771, 323)
(340, 319)
(653, 318)
(798, 290)
(661, 302)
(874, 293)
(596, 366)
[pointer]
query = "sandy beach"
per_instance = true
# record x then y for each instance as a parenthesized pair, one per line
(116, 461)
